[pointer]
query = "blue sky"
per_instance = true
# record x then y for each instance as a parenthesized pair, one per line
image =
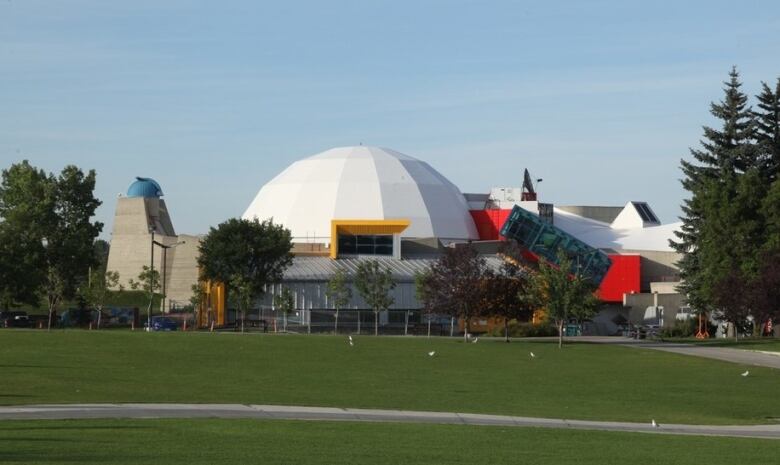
(212, 99)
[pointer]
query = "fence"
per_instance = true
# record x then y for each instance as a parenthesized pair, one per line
(391, 322)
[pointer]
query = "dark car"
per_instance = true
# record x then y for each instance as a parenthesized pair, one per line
(163, 323)
(14, 320)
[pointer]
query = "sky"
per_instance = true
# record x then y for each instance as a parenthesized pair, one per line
(600, 99)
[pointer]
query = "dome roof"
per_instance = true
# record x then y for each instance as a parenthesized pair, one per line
(144, 187)
(363, 183)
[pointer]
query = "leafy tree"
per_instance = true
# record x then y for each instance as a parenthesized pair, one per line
(98, 290)
(52, 217)
(285, 303)
(339, 293)
(504, 295)
(421, 286)
(725, 152)
(453, 285)
(26, 195)
(101, 254)
(246, 255)
(196, 300)
(70, 235)
(561, 294)
(149, 282)
(374, 284)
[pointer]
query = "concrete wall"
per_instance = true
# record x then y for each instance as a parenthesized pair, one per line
(603, 214)
(657, 267)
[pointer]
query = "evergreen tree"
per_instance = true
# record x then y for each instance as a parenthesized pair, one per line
(724, 152)
(767, 120)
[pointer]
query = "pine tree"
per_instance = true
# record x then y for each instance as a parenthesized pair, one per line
(767, 119)
(724, 152)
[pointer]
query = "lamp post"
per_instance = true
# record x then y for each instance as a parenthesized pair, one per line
(151, 283)
(164, 266)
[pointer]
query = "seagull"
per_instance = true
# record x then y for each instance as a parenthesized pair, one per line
(432, 353)
(747, 372)
(475, 340)
(655, 425)
(351, 343)
(533, 355)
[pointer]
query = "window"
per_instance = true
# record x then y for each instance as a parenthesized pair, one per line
(365, 244)
(644, 211)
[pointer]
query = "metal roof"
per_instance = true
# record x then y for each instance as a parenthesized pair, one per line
(323, 268)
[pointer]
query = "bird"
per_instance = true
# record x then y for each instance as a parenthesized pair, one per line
(655, 425)
(432, 353)
(351, 342)
(475, 340)
(747, 372)
(533, 355)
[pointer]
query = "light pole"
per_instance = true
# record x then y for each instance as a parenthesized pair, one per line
(151, 284)
(164, 267)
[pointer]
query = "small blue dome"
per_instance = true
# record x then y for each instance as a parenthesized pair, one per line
(144, 187)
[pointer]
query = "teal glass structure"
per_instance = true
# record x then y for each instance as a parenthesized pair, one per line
(544, 240)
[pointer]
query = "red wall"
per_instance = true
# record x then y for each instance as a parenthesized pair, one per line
(622, 277)
(489, 222)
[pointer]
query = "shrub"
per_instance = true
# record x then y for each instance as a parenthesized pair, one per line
(527, 329)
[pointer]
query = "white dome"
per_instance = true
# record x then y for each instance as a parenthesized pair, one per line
(363, 183)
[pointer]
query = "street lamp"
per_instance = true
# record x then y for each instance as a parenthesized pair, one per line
(164, 266)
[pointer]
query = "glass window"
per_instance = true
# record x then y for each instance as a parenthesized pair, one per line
(365, 244)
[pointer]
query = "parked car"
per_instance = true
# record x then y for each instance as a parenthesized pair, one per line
(14, 319)
(163, 323)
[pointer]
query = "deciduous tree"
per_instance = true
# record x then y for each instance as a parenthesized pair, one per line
(374, 283)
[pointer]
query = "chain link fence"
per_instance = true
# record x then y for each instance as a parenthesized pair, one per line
(391, 322)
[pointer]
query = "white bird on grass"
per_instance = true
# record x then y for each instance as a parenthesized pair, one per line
(747, 372)
(655, 425)
(533, 355)
(475, 340)
(351, 343)
(432, 353)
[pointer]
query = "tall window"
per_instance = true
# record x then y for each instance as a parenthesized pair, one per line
(365, 244)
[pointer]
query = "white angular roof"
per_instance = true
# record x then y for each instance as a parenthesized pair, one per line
(359, 183)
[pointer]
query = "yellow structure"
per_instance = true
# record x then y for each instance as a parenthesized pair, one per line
(212, 307)
(359, 227)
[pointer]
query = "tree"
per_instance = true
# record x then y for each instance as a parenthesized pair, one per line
(97, 291)
(374, 283)
(246, 255)
(149, 282)
(285, 303)
(339, 294)
(421, 285)
(725, 152)
(196, 300)
(52, 218)
(503, 293)
(561, 293)
(453, 285)
(767, 119)
(25, 209)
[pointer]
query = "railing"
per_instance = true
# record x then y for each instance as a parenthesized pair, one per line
(545, 240)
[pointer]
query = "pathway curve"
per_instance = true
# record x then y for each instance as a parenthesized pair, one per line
(271, 412)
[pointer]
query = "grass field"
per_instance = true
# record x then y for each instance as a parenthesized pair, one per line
(581, 381)
(194, 442)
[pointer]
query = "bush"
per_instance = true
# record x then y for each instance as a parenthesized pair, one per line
(527, 329)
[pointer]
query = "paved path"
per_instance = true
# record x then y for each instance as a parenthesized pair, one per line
(271, 412)
(741, 356)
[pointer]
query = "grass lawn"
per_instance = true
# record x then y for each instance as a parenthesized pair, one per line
(581, 381)
(204, 441)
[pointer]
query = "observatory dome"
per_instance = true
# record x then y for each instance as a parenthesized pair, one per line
(363, 183)
(144, 187)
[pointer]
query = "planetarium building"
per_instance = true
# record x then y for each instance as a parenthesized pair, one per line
(351, 204)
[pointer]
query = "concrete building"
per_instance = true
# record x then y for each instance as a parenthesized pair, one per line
(140, 218)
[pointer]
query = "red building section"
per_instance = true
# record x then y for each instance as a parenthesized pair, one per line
(622, 277)
(489, 223)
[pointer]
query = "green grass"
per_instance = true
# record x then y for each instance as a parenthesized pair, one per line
(194, 442)
(581, 381)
